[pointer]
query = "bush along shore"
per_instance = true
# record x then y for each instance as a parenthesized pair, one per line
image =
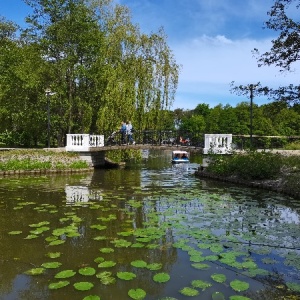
(264, 169)
(21, 161)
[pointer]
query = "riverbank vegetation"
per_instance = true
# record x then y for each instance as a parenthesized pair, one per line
(124, 155)
(25, 160)
(278, 171)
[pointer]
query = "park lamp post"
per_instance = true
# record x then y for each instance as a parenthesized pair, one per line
(48, 93)
(244, 90)
(251, 88)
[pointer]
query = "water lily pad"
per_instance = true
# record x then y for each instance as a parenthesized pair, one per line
(139, 264)
(39, 224)
(125, 233)
(91, 297)
(126, 275)
(120, 243)
(73, 234)
(106, 277)
(187, 291)
(249, 265)
(211, 257)
(107, 264)
(219, 277)
(152, 246)
(204, 246)
(137, 245)
(197, 258)
(51, 265)
(53, 254)
(58, 285)
(31, 237)
(201, 284)
(83, 286)
(161, 277)
(218, 296)
(239, 286)
(87, 271)
(144, 239)
(137, 294)
(238, 297)
(134, 203)
(35, 271)
(51, 238)
(16, 232)
(99, 227)
(201, 266)
(99, 259)
(59, 231)
(106, 250)
(65, 274)
(56, 242)
(293, 286)
(216, 248)
(40, 230)
(154, 266)
(100, 238)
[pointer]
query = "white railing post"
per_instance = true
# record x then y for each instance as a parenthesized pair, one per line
(217, 144)
(83, 142)
(96, 140)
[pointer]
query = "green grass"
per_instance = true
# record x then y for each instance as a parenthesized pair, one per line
(39, 160)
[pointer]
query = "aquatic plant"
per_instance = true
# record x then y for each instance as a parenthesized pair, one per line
(83, 285)
(137, 294)
(58, 285)
(187, 291)
(126, 275)
(161, 277)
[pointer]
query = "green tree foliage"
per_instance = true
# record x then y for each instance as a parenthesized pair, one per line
(194, 124)
(213, 122)
(285, 48)
(20, 88)
(287, 122)
(202, 109)
(100, 66)
(268, 120)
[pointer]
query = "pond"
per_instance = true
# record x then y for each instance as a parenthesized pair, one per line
(149, 231)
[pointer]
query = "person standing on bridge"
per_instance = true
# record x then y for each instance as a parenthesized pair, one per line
(123, 131)
(129, 131)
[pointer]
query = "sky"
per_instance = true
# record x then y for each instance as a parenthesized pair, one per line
(212, 41)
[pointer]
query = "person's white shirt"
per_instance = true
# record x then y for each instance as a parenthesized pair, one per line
(128, 128)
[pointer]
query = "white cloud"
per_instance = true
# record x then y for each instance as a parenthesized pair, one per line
(209, 64)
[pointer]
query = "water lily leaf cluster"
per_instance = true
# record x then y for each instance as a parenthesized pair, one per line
(225, 247)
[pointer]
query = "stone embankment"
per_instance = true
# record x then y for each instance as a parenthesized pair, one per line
(272, 185)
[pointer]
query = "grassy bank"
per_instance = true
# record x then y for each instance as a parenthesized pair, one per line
(13, 160)
(277, 171)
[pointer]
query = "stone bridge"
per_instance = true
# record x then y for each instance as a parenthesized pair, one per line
(91, 148)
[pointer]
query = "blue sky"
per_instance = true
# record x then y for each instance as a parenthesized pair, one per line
(211, 39)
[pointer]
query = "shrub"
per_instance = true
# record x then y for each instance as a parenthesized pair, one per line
(293, 146)
(249, 165)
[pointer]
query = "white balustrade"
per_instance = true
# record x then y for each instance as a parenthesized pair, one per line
(218, 144)
(81, 194)
(83, 142)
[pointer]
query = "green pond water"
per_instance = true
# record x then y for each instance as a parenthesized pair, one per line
(149, 231)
